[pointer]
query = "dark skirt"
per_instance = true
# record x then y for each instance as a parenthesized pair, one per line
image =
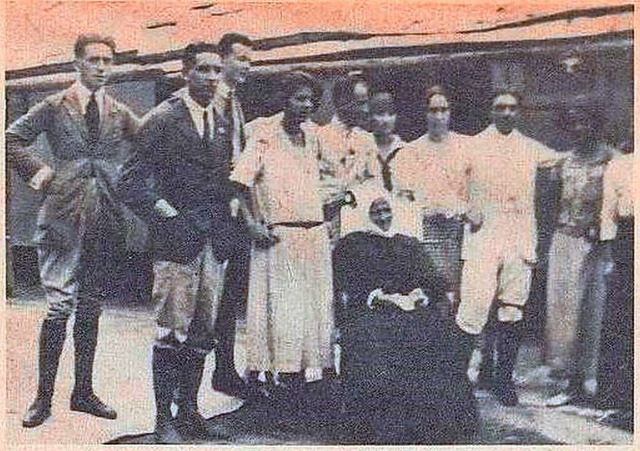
(404, 378)
(615, 369)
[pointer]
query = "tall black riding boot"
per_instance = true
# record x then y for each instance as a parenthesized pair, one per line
(85, 337)
(52, 336)
(190, 378)
(166, 370)
(225, 378)
(507, 344)
(487, 362)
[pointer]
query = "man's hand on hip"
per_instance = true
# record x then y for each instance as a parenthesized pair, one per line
(165, 209)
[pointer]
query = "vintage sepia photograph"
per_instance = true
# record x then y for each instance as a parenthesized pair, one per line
(360, 222)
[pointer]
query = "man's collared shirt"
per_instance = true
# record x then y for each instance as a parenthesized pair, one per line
(84, 95)
(197, 113)
(501, 186)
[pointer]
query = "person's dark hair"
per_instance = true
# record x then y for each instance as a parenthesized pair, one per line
(295, 80)
(436, 90)
(225, 46)
(92, 38)
(192, 50)
(342, 93)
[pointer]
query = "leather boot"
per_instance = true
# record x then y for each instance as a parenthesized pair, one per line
(507, 344)
(52, 335)
(487, 352)
(225, 378)
(165, 368)
(190, 378)
(85, 337)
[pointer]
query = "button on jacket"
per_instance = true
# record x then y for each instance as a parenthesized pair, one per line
(81, 195)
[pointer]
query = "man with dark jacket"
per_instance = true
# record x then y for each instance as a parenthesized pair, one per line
(80, 229)
(235, 50)
(178, 181)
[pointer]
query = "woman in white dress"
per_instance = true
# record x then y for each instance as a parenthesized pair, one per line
(290, 306)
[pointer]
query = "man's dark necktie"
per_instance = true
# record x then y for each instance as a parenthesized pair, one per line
(207, 128)
(92, 118)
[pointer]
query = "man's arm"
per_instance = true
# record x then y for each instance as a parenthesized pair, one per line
(547, 157)
(137, 185)
(23, 133)
(608, 215)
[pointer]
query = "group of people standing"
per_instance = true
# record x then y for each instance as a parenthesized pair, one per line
(284, 194)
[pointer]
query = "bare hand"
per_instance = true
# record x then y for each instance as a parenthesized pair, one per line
(42, 178)
(262, 235)
(475, 218)
(165, 209)
(609, 266)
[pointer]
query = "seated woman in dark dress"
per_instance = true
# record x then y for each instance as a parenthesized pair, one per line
(403, 360)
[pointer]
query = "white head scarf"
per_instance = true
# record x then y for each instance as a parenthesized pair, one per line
(406, 216)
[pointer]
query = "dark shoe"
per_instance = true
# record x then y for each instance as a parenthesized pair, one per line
(258, 392)
(52, 336)
(288, 391)
(191, 423)
(569, 397)
(506, 395)
(165, 370)
(37, 413)
(620, 419)
(230, 384)
(167, 433)
(188, 419)
(486, 373)
(487, 351)
(85, 337)
(507, 344)
(91, 404)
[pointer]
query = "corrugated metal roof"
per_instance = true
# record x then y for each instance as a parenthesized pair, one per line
(42, 32)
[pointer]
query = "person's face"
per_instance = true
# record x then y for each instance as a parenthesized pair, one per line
(579, 126)
(438, 115)
(361, 104)
(300, 104)
(381, 215)
(238, 63)
(383, 122)
(95, 66)
(504, 111)
(202, 77)
(579, 129)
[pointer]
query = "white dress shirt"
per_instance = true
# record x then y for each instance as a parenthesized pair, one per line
(83, 95)
(197, 112)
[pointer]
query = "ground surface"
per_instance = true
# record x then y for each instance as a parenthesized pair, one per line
(123, 379)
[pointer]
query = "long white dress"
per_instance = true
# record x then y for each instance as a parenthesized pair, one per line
(290, 306)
